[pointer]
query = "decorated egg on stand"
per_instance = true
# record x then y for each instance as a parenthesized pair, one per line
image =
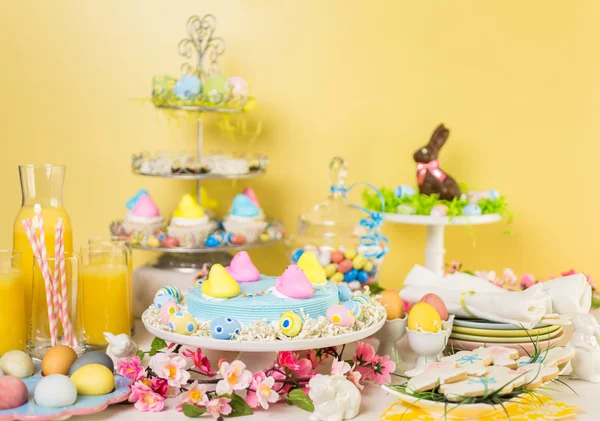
(161, 300)
(183, 323)
(239, 87)
(340, 316)
(392, 303)
(167, 310)
(404, 190)
(171, 290)
(424, 318)
(224, 328)
(355, 307)
(362, 299)
(344, 292)
(405, 209)
(290, 323)
(471, 210)
(188, 87)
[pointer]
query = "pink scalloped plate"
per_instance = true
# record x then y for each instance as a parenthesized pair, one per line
(524, 349)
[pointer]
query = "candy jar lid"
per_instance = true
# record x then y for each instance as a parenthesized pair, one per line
(336, 216)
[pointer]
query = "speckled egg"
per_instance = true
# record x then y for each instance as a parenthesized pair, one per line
(189, 86)
(13, 392)
(471, 210)
(340, 316)
(167, 310)
(439, 210)
(362, 299)
(171, 290)
(404, 190)
(355, 307)
(96, 357)
(55, 391)
(290, 323)
(392, 303)
(183, 323)
(17, 364)
(436, 302)
(160, 300)
(224, 328)
(344, 292)
(93, 380)
(405, 209)
(424, 318)
(58, 360)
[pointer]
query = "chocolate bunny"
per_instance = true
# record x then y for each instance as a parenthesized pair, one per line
(432, 180)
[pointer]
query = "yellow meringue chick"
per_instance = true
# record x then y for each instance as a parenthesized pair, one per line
(220, 284)
(188, 208)
(311, 267)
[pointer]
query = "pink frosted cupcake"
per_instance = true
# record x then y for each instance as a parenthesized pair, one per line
(143, 215)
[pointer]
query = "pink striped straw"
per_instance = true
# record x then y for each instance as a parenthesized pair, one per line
(56, 297)
(69, 332)
(33, 241)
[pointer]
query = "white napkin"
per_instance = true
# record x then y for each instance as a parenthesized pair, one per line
(569, 294)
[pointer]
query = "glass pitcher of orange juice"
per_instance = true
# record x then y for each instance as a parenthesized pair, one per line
(41, 184)
(13, 327)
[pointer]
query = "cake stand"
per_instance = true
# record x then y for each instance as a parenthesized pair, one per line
(434, 249)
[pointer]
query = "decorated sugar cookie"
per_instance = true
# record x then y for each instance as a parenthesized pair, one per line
(536, 374)
(474, 363)
(501, 356)
(434, 374)
(550, 358)
(500, 378)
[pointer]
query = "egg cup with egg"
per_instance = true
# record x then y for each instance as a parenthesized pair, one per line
(429, 345)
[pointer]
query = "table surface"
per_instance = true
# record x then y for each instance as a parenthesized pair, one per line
(374, 400)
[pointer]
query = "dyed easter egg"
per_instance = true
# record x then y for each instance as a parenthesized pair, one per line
(189, 86)
(224, 328)
(290, 323)
(93, 380)
(471, 210)
(350, 253)
(337, 256)
(324, 258)
(161, 300)
(337, 277)
(437, 303)
(404, 190)
(96, 357)
(152, 241)
(216, 85)
(330, 269)
(368, 266)
(345, 265)
(494, 194)
(359, 261)
(239, 87)
(13, 392)
(183, 323)
(439, 210)
(362, 277)
(362, 299)
(340, 316)
(58, 360)
(392, 303)
(424, 318)
(171, 290)
(350, 275)
(17, 364)
(355, 307)
(344, 292)
(296, 255)
(405, 209)
(161, 85)
(56, 391)
(167, 310)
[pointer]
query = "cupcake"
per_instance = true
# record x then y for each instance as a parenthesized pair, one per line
(245, 216)
(142, 214)
(189, 223)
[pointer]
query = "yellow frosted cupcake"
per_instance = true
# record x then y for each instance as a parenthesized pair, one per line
(189, 224)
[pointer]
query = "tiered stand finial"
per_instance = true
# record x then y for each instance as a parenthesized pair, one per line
(201, 43)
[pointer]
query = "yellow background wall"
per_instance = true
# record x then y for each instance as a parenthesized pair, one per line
(516, 82)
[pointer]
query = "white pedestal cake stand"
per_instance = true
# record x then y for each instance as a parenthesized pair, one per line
(434, 250)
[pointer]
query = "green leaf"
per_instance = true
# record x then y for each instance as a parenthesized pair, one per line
(152, 352)
(239, 406)
(375, 289)
(301, 400)
(140, 354)
(158, 344)
(192, 411)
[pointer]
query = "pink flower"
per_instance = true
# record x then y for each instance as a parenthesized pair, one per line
(219, 406)
(235, 377)
(201, 362)
(527, 280)
(281, 387)
(354, 377)
(364, 354)
(590, 281)
(305, 368)
(339, 368)
(145, 399)
(289, 360)
(130, 368)
(509, 276)
(262, 391)
(382, 367)
(195, 395)
(251, 398)
(158, 385)
(568, 273)
(171, 368)
(221, 361)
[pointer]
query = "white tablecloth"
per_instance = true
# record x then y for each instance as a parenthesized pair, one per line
(374, 400)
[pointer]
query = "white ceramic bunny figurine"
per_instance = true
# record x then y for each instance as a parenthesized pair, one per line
(586, 363)
(119, 346)
(335, 398)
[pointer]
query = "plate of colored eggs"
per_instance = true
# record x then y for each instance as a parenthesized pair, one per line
(61, 386)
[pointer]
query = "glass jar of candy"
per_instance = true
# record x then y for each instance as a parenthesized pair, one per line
(345, 237)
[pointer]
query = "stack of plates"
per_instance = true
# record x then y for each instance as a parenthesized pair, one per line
(474, 333)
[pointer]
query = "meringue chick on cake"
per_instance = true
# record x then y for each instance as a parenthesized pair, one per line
(236, 301)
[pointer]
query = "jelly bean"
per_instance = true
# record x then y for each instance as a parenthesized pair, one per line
(345, 265)
(350, 253)
(324, 258)
(152, 241)
(359, 262)
(238, 239)
(296, 255)
(368, 267)
(337, 256)
(337, 277)
(362, 276)
(264, 237)
(212, 241)
(350, 275)
(330, 270)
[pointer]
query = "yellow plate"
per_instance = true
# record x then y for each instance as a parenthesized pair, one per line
(492, 340)
(505, 333)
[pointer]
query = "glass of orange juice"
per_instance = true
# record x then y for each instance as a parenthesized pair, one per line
(13, 317)
(106, 293)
